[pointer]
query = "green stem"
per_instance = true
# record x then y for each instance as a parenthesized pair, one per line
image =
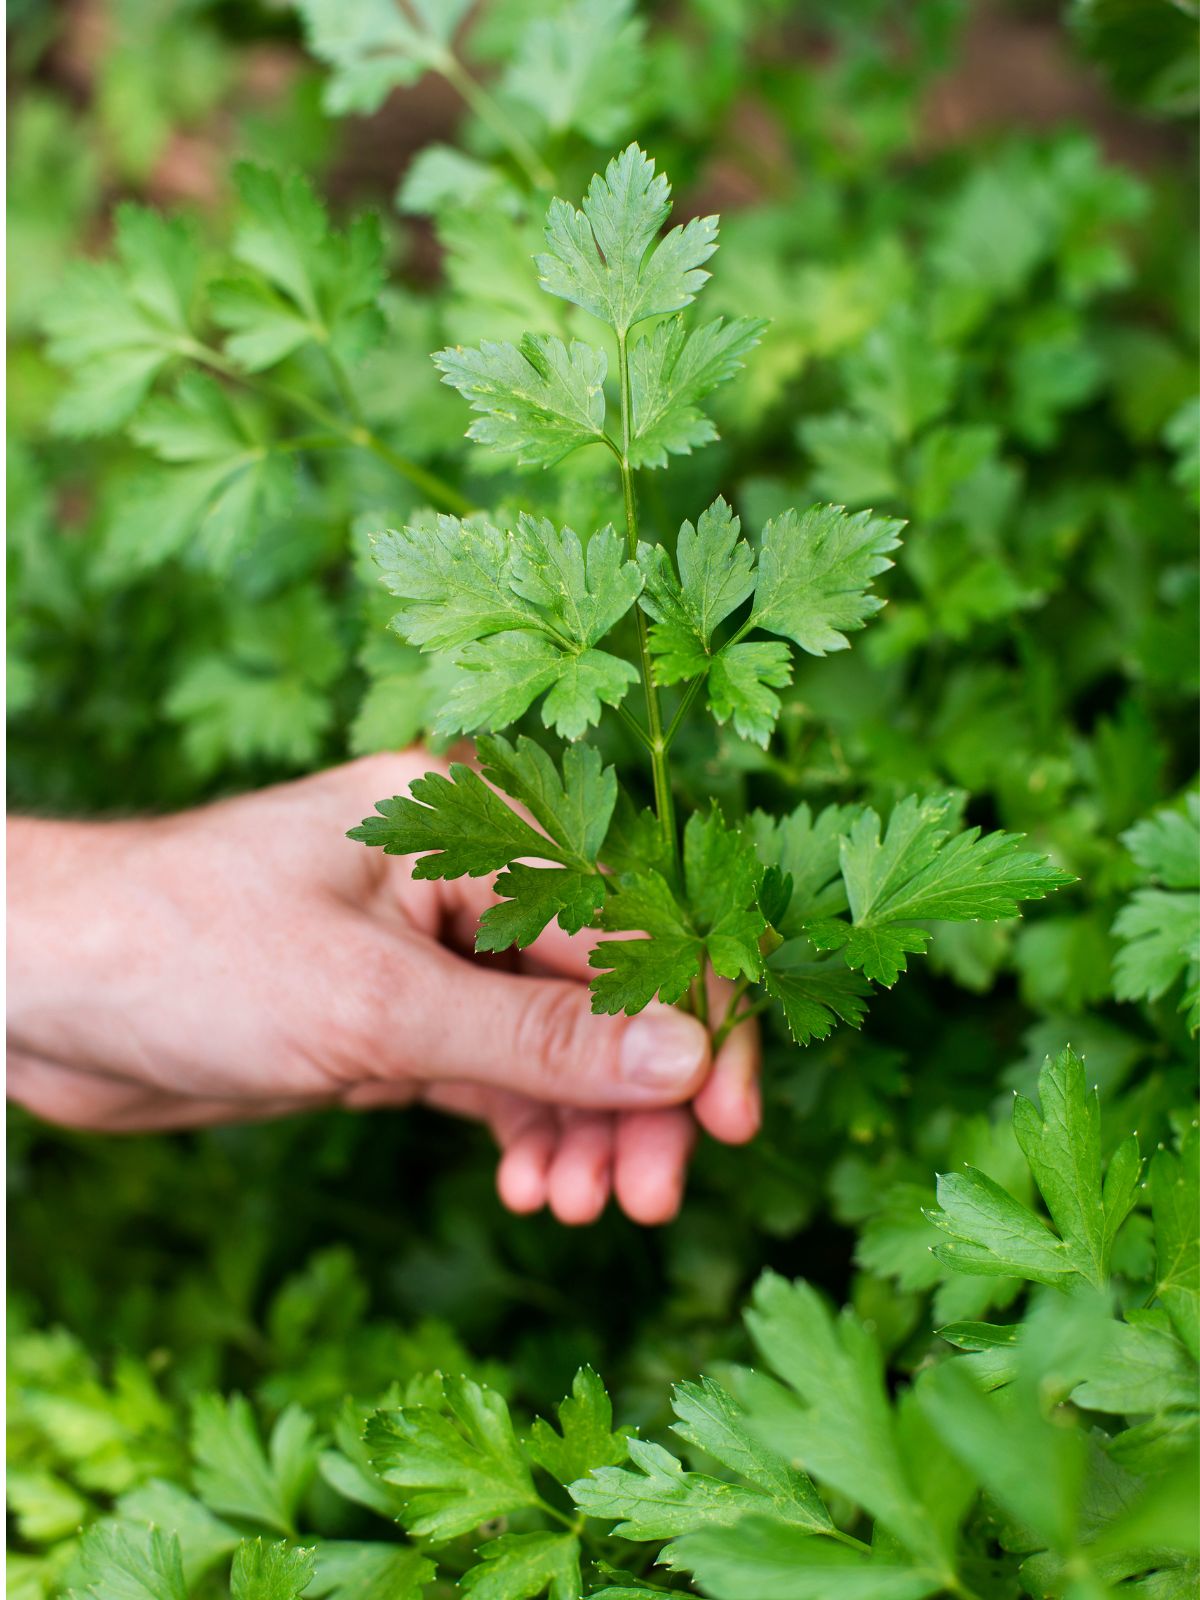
(559, 1516)
(352, 433)
(849, 1540)
(685, 704)
(634, 726)
(664, 800)
(734, 1018)
(490, 111)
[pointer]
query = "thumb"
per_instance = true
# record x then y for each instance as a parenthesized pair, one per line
(539, 1037)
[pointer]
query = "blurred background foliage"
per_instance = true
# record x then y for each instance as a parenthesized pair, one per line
(973, 230)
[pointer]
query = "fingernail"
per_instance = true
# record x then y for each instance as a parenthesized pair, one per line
(662, 1048)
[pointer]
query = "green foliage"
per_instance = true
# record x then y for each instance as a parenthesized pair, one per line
(1160, 927)
(220, 393)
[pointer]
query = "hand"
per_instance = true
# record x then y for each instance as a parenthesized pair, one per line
(247, 960)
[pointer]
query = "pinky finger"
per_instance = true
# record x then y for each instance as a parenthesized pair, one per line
(522, 1177)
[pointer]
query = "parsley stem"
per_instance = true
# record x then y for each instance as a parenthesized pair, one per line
(689, 695)
(664, 800)
(634, 726)
(489, 110)
(733, 1017)
(356, 434)
(849, 1540)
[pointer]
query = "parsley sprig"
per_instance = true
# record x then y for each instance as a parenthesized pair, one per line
(523, 614)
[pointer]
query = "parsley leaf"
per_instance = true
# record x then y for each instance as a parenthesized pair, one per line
(718, 919)
(519, 1566)
(1160, 927)
(586, 1440)
(458, 825)
(600, 258)
(993, 1234)
(741, 685)
(716, 574)
(460, 1469)
(919, 872)
(375, 46)
(540, 600)
(532, 897)
(814, 571)
(761, 1557)
(123, 1563)
(576, 69)
(833, 1419)
(540, 399)
(114, 325)
(575, 808)
(347, 1570)
(237, 1477)
(1174, 1183)
(670, 372)
(660, 1500)
(807, 851)
(270, 1571)
(814, 994)
(228, 479)
(313, 283)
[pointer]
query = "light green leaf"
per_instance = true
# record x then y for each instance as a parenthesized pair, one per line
(1161, 926)
(1062, 1146)
(375, 46)
(814, 572)
(236, 1477)
(854, 459)
(763, 1559)
(460, 1469)
(315, 283)
(833, 1420)
(539, 400)
(741, 685)
(519, 1566)
(1174, 1187)
(114, 325)
(712, 1420)
(451, 576)
(992, 1234)
(657, 1499)
(716, 574)
(601, 258)
(203, 1539)
(1143, 1371)
(580, 68)
(227, 482)
(347, 1570)
(539, 600)
(122, 1563)
(901, 376)
(670, 372)
(270, 1571)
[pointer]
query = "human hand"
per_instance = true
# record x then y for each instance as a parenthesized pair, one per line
(246, 960)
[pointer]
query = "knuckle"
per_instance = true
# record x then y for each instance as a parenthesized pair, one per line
(552, 1027)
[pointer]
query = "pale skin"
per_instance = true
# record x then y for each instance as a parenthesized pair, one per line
(245, 960)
